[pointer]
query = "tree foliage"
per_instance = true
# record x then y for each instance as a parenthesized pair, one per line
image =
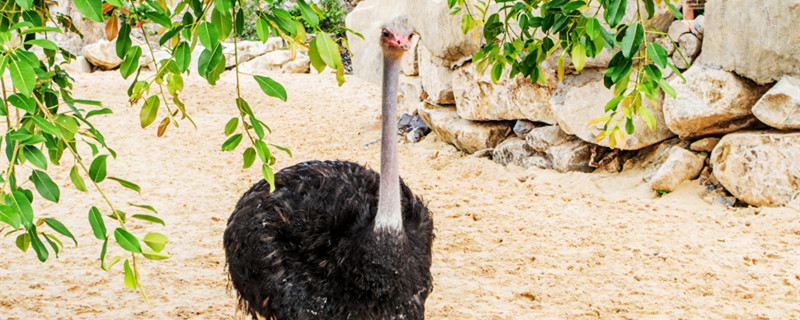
(521, 34)
(44, 120)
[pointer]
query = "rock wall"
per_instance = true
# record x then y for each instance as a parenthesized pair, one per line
(730, 58)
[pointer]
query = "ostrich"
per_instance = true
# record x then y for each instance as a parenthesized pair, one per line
(336, 240)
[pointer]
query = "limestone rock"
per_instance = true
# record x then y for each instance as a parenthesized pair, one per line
(761, 168)
(698, 26)
(763, 47)
(477, 97)
(681, 62)
(79, 65)
(465, 135)
(102, 54)
(712, 101)
(652, 157)
(681, 165)
(436, 78)
(247, 50)
(582, 97)
(678, 28)
(91, 31)
(409, 94)
(542, 138)
(147, 61)
(667, 44)
(780, 106)
(272, 61)
(300, 64)
(689, 44)
(512, 151)
(704, 145)
(273, 43)
(410, 64)
(522, 127)
(570, 156)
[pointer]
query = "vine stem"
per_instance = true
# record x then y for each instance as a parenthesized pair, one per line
(155, 66)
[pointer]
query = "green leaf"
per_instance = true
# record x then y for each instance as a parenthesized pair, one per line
(633, 38)
(615, 12)
(111, 262)
(23, 241)
(675, 11)
(130, 276)
(98, 226)
(127, 184)
(648, 117)
(649, 6)
(467, 23)
(131, 62)
(629, 125)
(147, 217)
(22, 205)
(59, 227)
(263, 151)
(36, 243)
(149, 111)
(284, 21)
(127, 241)
(231, 126)
(497, 70)
(44, 43)
(249, 157)
(612, 105)
(578, 55)
(314, 56)
(45, 125)
(271, 87)
(257, 127)
(243, 107)
(159, 18)
(22, 76)
(223, 23)
(328, 50)
(167, 36)
(289, 152)
(183, 56)
(45, 186)
(23, 102)
(35, 156)
(152, 255)
(232, 142)
(92, 103)
(593, 28)
(658, 54)
(97, 112)
(76, 179)
(26, 4)
(308, 14)
(239, 22)
(40, 29)
(92, 9)
(54, 242)
(97, 171)
(155, 241)
(268, 176)
(10, 216)
(262, 29)
(116, 3)
(208, 35)
(667, 88)
(143, 206)
(223, 6)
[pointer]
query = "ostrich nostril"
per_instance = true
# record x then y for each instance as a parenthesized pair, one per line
(404, 46)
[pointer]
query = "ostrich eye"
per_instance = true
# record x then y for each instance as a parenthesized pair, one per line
(385, 33)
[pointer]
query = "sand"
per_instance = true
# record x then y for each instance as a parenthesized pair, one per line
(511, 243)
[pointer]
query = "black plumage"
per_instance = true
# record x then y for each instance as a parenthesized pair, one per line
(309, 250)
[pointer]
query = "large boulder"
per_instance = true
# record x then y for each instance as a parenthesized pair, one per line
(102, 54)
(409, 94)
(479, 98)
(711, 101)
(410, 64)
(465, 135)
(512, 151)
(780, 106)
(755, 39)
(245, 51)
(571, 156)
(272, 61)
(436, 78)
(680, 165)
(761, 168)
(582, 97)
(300, 64)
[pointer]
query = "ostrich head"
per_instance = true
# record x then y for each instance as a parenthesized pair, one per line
(396, 37)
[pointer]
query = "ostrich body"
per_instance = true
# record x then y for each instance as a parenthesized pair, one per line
(335, 240)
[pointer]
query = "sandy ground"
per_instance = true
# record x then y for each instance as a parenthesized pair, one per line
(510, 243)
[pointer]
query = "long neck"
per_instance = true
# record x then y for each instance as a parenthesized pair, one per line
(389, 215)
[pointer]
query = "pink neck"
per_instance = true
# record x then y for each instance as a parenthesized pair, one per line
(389, 216)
